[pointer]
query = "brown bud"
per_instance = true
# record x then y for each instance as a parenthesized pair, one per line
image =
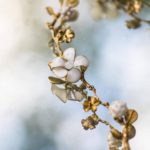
(133, 24)
(131, 131)
(131, 116)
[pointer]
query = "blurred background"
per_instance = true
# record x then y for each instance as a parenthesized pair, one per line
(31, 118)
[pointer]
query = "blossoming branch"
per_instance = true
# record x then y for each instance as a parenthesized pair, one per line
(69, 83)
(101, 9)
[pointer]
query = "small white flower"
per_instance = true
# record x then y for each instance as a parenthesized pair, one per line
(113, 142)
(117, 109)
(68, 66)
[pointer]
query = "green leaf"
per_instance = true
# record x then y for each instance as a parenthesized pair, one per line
(54, 80)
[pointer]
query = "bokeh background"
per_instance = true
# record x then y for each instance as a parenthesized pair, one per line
(31, 118)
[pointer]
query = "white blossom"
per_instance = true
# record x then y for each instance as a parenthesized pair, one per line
(117, 109)
(68, 66)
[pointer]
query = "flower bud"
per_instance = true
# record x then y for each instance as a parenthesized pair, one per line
(118, 109)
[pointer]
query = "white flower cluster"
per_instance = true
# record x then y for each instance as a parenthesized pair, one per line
(113, 142)
(101, 9)
(68, 66)
(118, 109)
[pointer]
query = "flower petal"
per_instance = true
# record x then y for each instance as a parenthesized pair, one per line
(73, 75)
(69, 64)
(81, 61)
(60, 72)
(76, 96)
(60, 93)
(69, 54)
(57, 62)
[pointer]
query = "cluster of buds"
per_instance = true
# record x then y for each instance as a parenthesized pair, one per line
(68, 81)
(90, 122)
(91, 104)
(101, 9)
(64, 35)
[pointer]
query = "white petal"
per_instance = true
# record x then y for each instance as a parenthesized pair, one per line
(73, 75)
(60, 72)
(60, 93)
(69, 54)
(81, 61)
(69, 64)
(57, 62)
(118, 109)
(76, 96)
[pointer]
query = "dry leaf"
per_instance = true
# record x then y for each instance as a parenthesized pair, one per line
(131, 131)
(54, 80)
(131, 116)
(116, 134)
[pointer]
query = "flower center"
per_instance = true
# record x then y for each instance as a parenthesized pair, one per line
(69, 65)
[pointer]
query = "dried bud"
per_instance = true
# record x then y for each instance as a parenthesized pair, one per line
(59, 35)
(65, 35)
(118, 109)
(71, 15)
(68, 36)
(91, 104)
(90, 122)
(133, 24)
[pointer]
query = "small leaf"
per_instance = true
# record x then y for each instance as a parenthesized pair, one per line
(131, 131)
(54, 80)
(60, 93)
(131, 116)
(116, 134)
(50, 11)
